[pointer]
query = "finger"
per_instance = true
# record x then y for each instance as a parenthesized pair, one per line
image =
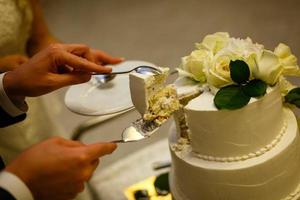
(78, 63)
(91, 169)
(73, 189)
(22, 59)
(105, 58)
(11, 67)
(80, 50)
(69, 143)
(64, 69)
(94, 164)
(72, 78)
(100, 149)
(79, 187)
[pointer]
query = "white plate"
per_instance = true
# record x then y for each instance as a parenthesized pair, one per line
(100, 99)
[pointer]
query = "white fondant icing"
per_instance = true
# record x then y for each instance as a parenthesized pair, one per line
(182, 142)
(231, 133)
(244, 157)
(138, 90)
(273, 175)
(144, 85)
(186, 86)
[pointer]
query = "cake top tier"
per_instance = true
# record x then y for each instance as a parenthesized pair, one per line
(205, 101)
(227, 133)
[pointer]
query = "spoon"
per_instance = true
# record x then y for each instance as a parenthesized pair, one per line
(137, 131)
(144, 69)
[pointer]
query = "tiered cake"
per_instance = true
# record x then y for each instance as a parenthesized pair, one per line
(249, 153)
(235, 136)
(252, 153)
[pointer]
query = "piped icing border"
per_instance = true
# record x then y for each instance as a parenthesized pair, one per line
(249, 155)
(242, 157)
(294, 195)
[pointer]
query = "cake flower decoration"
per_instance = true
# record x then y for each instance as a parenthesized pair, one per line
(219, 61)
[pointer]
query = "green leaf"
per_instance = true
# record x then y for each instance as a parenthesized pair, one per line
(239, 71)
(255, 88)
(293, 97)
(297, 103)
(231, 97)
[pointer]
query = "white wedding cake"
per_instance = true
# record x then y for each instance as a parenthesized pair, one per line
(235, 136)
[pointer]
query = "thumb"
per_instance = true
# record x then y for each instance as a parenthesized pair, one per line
(100, 149)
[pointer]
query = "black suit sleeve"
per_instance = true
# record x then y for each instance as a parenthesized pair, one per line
(4, 195)
(6, 119)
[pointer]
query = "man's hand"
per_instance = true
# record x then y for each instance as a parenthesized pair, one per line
(58, 168)
(11, 62)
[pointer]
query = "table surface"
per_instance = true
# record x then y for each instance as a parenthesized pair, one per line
(111, 182)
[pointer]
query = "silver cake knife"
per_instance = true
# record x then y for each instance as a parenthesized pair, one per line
(138, 130)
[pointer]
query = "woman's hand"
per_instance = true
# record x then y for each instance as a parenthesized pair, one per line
(103, 58)
(57, 66)
(12, 62)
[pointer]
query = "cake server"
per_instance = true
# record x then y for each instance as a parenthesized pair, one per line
(138, 130)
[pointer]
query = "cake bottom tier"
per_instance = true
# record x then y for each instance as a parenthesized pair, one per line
(274, 175)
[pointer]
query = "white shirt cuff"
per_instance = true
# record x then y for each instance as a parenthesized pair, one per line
(12, 108)
(15, 186)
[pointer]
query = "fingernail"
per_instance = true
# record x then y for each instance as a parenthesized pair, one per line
(107, 67)
(115, 145)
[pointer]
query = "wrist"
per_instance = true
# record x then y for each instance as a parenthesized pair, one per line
(15, 186)
(22, 173)
(11, 86)
(16, 172)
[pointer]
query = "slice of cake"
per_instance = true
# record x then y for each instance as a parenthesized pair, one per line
(154, 100)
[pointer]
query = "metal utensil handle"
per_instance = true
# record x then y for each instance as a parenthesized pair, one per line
(113, 73)
(118, 141)
(161, 165)
(125, 72)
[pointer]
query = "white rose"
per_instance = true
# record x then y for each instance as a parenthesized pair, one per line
(285, 86)
(268, 67)
(214, 42)
(242, 49)
(288, 60)
(282, 50)
(218, 75)
(194, 64)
